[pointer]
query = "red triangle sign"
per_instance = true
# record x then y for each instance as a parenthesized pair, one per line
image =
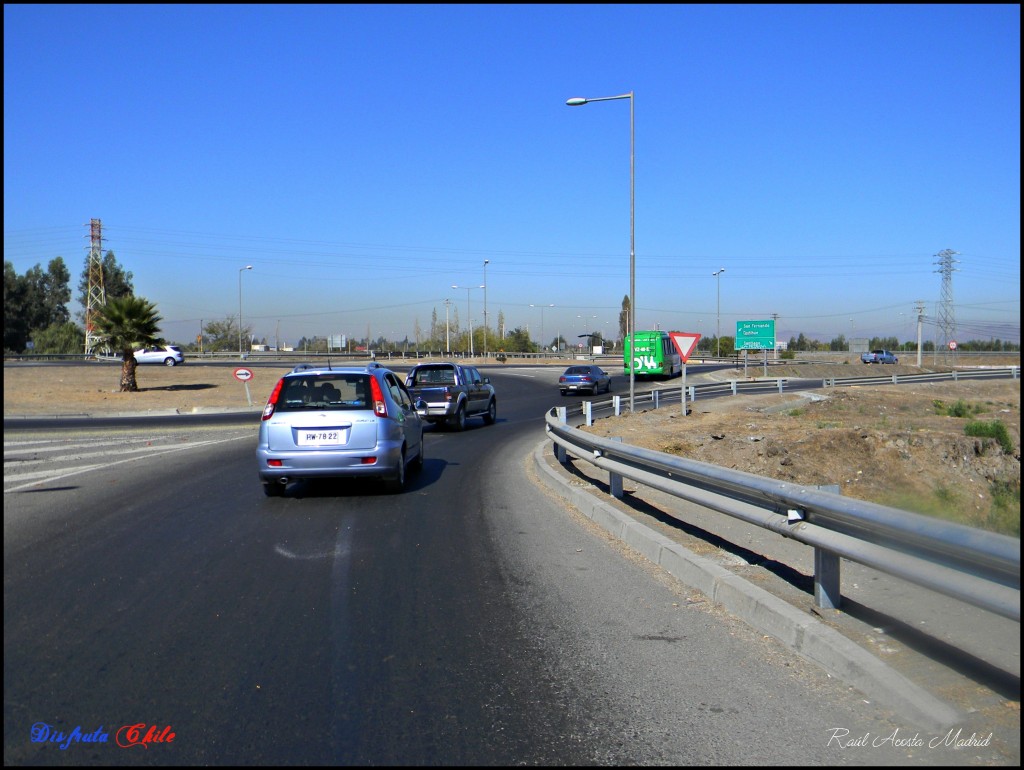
(685, 343)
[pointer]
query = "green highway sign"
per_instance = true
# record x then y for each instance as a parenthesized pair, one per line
(755, 335)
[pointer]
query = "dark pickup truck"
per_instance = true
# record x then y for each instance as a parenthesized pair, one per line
(452, 393)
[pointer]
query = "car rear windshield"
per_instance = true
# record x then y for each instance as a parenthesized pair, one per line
(325, 391)
(578, 370)
(429, 375)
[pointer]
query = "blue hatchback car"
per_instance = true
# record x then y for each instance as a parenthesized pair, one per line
(328, 422)
(585, 378)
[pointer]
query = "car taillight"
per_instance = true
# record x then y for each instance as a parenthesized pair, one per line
(561, 379)
(268, 410)
(380, 407)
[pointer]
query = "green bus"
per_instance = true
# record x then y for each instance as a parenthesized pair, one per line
(656, 355)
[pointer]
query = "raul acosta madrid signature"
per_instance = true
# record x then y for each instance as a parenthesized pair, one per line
(126, 737)
(840, 736)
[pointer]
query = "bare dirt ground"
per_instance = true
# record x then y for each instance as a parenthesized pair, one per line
(93, 389)
(888, 444)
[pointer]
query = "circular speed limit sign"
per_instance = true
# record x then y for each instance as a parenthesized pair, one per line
(952, 344)
(243, 374)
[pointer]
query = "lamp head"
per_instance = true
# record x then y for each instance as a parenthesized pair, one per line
(576, 101)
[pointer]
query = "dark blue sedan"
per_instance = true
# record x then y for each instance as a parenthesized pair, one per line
(584, 378)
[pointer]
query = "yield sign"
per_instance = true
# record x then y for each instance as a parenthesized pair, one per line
(685, 343)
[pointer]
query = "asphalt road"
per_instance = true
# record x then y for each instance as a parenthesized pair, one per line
(473, 620)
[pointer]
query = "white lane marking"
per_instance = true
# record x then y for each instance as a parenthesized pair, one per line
(338, 551)
(22, 463)
(63, 474)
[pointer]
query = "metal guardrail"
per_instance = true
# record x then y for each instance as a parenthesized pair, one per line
(975, 566)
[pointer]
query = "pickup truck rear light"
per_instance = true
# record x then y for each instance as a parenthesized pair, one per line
(268, 410)
(380, 407)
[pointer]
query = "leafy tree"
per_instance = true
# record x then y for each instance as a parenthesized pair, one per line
(517, 341)
(124, 324)
(65, 337)
(34, 301)
(223, 335)
(15, 317)
(56, 289)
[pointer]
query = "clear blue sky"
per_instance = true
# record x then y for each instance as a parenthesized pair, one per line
(365, 158)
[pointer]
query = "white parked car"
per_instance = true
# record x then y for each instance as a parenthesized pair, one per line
(168, 355)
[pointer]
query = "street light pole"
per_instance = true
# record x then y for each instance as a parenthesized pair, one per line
(486, 261)
(447, 337)
(577, 102)
(240, 271)
(718, 329)
(469, 313)
(542, 323)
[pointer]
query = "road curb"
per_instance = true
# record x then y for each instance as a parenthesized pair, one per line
(810, 638)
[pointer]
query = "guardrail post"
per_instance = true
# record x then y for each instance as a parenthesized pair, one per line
(827, 594)
(654, 396)
(732, 384)
(693, 393)
(560, 454)
(781, 382)
(617, 405)
(588, 413)
(826, 579)
(615, 479)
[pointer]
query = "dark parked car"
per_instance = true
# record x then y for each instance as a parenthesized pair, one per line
(586, 378)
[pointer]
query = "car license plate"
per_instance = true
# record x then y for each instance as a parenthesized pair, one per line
(573, 387)
(322, 437)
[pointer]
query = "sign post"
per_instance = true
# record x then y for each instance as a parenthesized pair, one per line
(685, 344)
(244, 375)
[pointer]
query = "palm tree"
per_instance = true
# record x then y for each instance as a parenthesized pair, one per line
(126, 323)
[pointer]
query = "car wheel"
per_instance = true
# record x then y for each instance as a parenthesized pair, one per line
(563, 392)
(397, 484)
(273, 489)
(459, 420)
(169, 362)
(491, 415)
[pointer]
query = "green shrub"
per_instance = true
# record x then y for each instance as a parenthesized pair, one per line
(991, 429)
(959, 409)
(1004, 516)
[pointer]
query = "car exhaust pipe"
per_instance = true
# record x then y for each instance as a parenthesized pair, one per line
(283, 481)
